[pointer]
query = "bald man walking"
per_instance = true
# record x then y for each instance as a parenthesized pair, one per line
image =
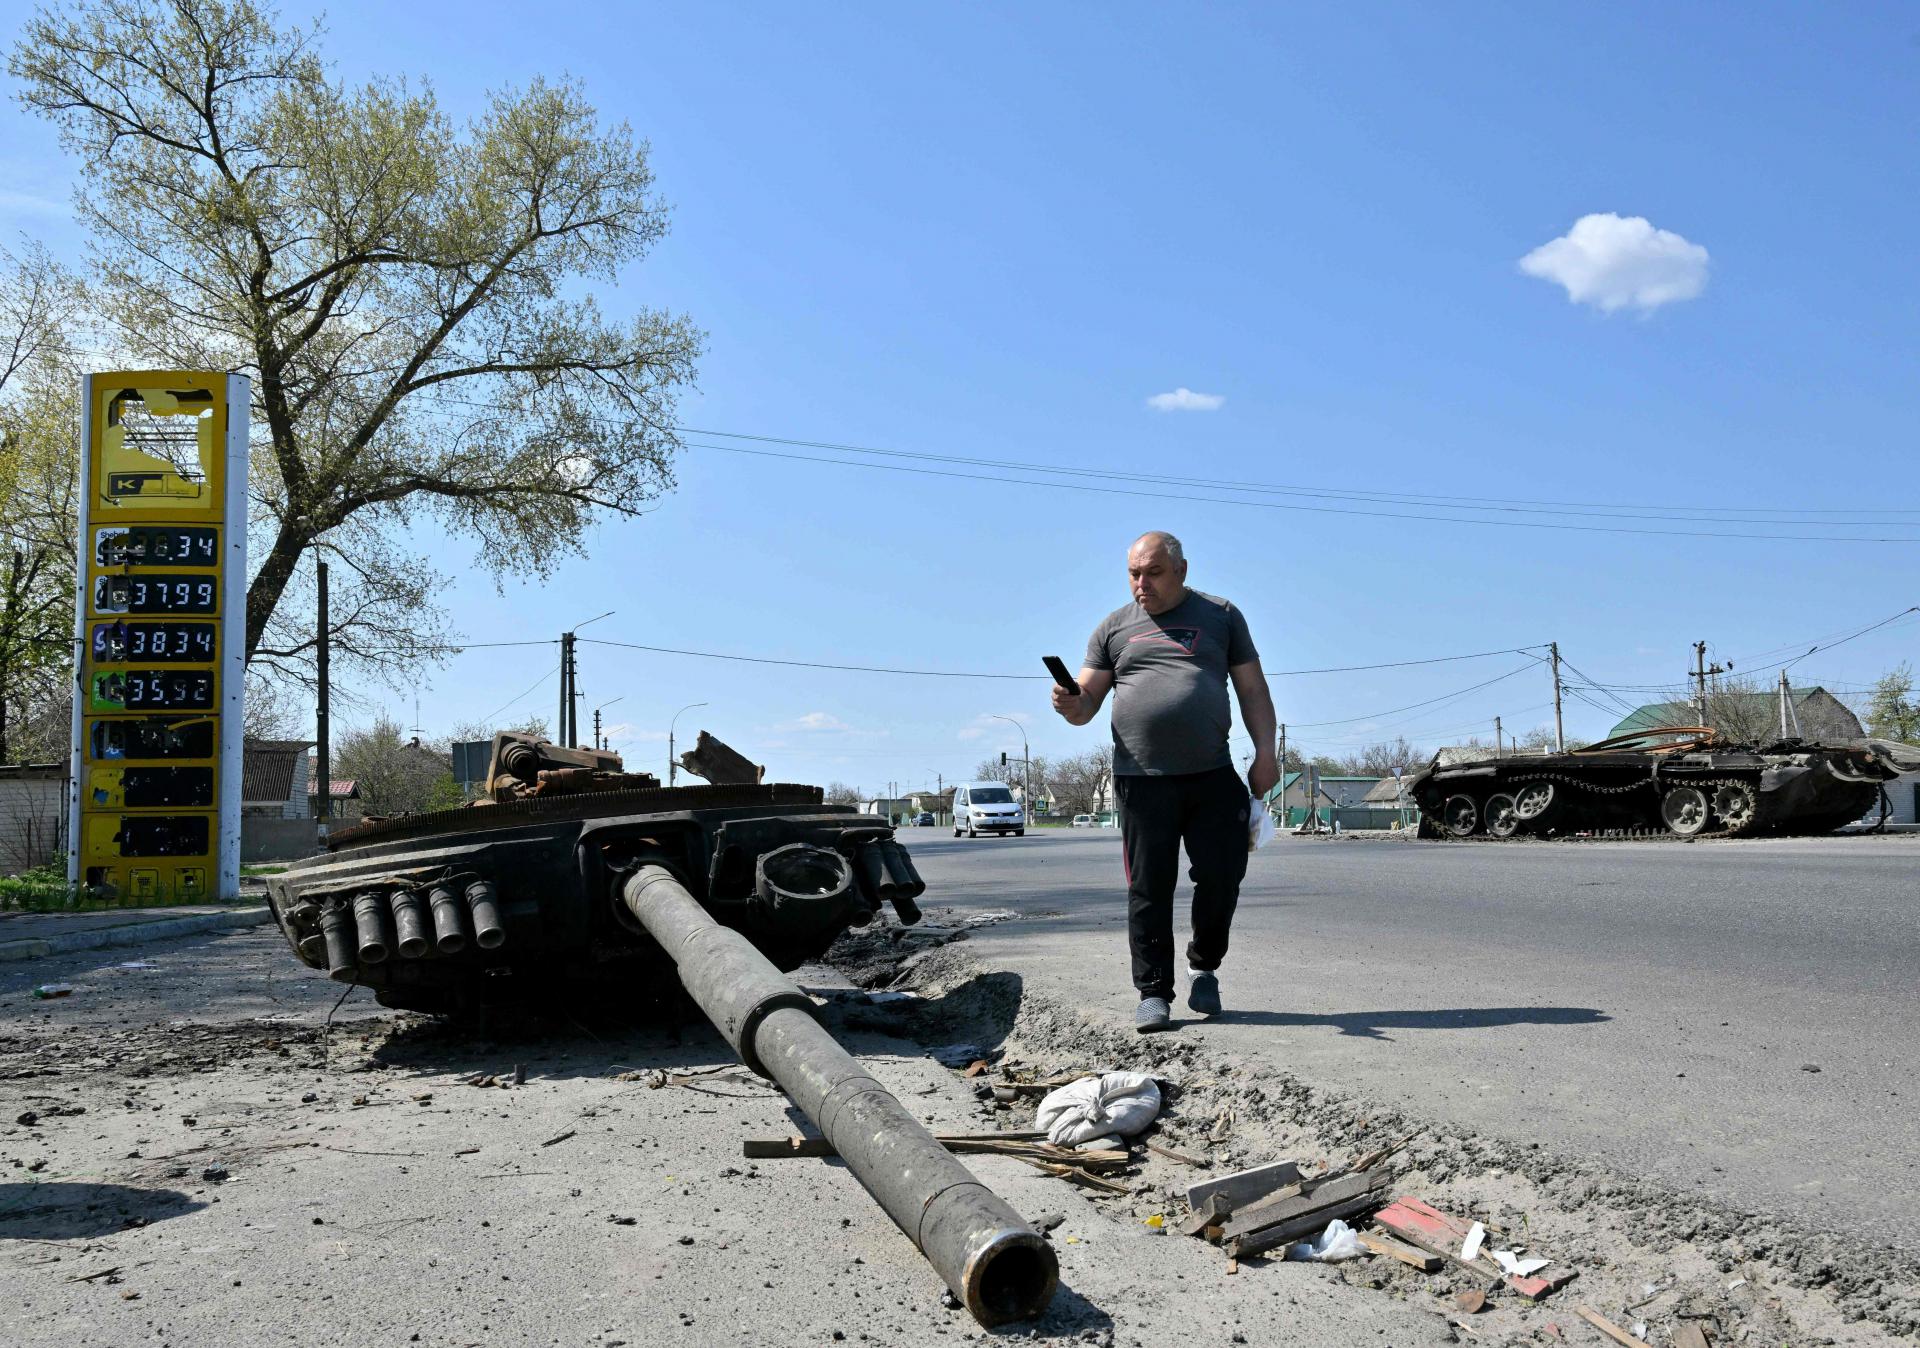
(1167, 657)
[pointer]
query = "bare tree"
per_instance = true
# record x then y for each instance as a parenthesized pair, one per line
(1080, 782)
(839, 793)
(1742, 709)
(39, 419)
(403, 291)
(1893, 712)
(394, 772)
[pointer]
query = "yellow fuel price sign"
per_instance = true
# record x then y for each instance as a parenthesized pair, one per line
(159, 633)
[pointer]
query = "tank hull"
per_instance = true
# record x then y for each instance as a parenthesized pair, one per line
(1789, 787)
(519, 895)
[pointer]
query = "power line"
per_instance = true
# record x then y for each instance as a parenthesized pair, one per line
(489, 717)
(1320, 510)
(1844, 640)
(1394, 711)
(1717, 514)
(982, 674)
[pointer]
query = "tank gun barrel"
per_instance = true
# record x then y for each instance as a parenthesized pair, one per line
(995, 1263)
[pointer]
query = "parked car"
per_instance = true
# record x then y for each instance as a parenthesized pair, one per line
(924, 819)
(1083, 821)
(987, 807)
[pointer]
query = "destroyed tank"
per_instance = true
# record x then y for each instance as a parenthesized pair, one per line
(1680, 780)
(573, 875)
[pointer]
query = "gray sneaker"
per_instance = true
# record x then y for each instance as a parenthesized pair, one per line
(1204, 995)
(1152, 1014)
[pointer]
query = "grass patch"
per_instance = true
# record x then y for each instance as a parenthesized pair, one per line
(263, 870)
(45, 890)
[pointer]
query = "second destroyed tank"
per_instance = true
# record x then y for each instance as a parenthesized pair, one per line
(1683, 780)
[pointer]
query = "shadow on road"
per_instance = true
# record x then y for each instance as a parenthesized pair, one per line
(59, 1211)
(1371, 1024)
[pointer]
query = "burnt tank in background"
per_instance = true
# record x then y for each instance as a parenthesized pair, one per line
(1683, 780)
(574, 875)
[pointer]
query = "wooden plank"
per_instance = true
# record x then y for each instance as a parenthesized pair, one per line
(1312, 1195)
(1690, 1334)
(1173, 1155)
(1212, 1213)
(1429, 1228)
(1609, 1328)
(1405, 1253)
(1286, 1232)
(1244, 1186)
(779, 1148)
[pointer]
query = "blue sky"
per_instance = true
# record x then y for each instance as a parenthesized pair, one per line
(997, 231)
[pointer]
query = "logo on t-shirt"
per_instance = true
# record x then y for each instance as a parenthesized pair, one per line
(1184, 639)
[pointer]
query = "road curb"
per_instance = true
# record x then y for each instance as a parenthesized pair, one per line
(132, 933)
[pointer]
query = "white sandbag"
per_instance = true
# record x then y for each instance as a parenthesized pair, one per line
(1122, 1103)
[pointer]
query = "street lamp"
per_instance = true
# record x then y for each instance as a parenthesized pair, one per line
(673, 765)
(1026, 766)
(596, 721)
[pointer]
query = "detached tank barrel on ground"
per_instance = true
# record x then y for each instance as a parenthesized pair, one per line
(994, 1262)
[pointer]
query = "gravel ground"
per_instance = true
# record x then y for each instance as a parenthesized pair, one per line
(189, 1155)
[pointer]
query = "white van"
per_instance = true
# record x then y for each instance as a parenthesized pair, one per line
(987, 807)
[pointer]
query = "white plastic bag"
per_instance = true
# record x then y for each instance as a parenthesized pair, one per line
(1121, 1103)
(1260, 828)
(1332, 1245)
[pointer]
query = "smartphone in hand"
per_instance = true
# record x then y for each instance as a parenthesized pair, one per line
(1058, 668)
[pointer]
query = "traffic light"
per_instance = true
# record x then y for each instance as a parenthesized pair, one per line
(1003, 758)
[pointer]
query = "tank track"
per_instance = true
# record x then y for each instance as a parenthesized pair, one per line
(1679, 777)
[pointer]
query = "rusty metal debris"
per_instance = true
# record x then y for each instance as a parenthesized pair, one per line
(574, 877)
(720, 763)
(1683, 781)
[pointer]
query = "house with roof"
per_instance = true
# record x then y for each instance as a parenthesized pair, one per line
(345, 794)
(1746, 715)
(273, 779)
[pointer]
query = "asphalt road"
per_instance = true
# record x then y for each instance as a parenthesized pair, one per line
(1660, 1006)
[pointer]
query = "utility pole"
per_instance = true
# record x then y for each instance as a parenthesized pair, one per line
(1699, 677)
(1496, 737)
(1559, 730)
(323, 710)
(566, 673)
(1283, 774)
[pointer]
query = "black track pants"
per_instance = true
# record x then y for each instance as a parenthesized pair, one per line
(1208, 812)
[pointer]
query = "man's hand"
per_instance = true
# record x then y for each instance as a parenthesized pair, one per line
(1264, 775)
(1067, 704)
(1081, 707)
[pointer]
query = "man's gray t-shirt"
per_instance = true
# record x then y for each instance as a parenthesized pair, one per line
(1170, 712)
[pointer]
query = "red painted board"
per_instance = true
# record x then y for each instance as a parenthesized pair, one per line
(1431, 1229)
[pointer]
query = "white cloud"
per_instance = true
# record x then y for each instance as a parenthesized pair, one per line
(1618, 262)
(1186, 400)
(819, 720)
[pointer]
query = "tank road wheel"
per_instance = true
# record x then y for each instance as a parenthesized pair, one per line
(1684, 809)
(1532, 799)
(1503, 819)
(1734, 804)
(1460, 816)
